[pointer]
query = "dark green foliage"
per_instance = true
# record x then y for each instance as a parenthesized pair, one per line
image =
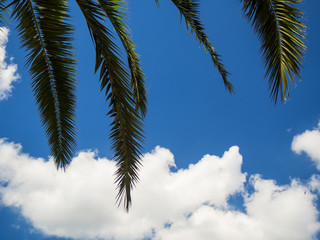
(126, 132)
(46, 36)
(189, 10)
(114, 10)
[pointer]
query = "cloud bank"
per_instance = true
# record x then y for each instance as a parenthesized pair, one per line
(308, 142)
(8, 71)
(186, 204)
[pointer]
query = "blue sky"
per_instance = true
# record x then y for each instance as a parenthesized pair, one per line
(266, 160)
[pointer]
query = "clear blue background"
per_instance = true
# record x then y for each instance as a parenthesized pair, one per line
(190, 112)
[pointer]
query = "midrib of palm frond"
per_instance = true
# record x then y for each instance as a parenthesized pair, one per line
(279, 27)
(45, 35)
(51, 79)
(282, 73)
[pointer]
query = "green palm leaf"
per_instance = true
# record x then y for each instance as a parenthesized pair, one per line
(3, 12)
(114, 10)
(46, 36)
(281, 32)
(126, 132)
(189, 10)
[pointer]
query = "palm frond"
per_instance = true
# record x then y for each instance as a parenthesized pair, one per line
(281, 32)
(126, 133)
(189, 10)
(46, 36)
(3, 12)
(115, 11)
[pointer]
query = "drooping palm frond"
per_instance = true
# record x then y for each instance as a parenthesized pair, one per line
(115, 11)
(46, 36)
(281, 32)
(126, 132)
(189, 10)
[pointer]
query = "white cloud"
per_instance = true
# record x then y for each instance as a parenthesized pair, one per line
(8, 72)
(188, 204)
(314, 183)
(273, 212)
(308, 142)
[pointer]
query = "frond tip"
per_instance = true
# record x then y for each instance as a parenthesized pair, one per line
(281, 32)
(189, 10)
(126, 127)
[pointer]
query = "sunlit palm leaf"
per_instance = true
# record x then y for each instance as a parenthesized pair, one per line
(114, 10)
(46, 36)
(189, 10)
(281, 32)
(126, 133)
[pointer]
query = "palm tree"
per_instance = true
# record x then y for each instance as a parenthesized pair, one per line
(46, 34)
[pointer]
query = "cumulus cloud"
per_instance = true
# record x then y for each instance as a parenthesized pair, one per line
(186, 204)
(8, 71)
(308, 142)
(272, 212)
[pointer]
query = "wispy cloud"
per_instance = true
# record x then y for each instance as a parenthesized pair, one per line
(190, 203)
(8, 71)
